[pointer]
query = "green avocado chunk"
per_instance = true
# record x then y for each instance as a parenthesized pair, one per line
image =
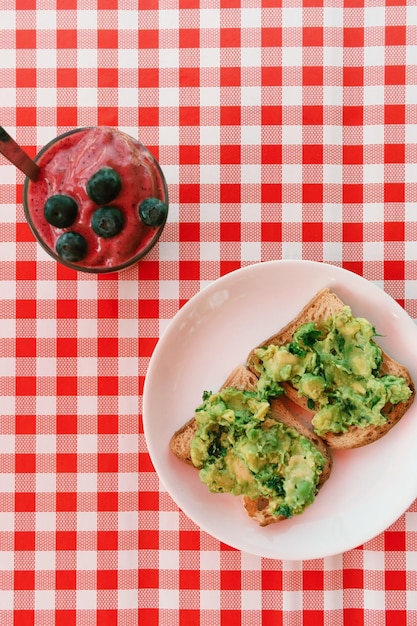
(240, 449)
(336, 366)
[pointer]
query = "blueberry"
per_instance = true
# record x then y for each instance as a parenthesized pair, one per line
(71, 247)
(153, 212)
(60, 210)
(107, 221)
(104, 185)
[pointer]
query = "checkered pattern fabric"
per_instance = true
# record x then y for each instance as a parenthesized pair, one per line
(286, 129)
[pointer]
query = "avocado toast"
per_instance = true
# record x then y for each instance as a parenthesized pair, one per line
(255, 449)
(364, 392)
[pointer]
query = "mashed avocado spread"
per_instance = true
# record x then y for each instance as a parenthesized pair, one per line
(336, 365)
(239, 448)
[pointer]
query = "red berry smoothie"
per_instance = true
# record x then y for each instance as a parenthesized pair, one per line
(105, 177)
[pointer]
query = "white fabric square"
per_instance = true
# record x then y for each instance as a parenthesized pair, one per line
(168, 598)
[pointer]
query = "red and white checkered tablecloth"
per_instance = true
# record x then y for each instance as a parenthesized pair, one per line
(286, 129)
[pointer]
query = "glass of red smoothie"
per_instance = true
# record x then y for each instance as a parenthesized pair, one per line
(100, 202)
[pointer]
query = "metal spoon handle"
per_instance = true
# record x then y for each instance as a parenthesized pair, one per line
(16, 155)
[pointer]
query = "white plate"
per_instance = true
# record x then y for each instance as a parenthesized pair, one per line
(368, 489)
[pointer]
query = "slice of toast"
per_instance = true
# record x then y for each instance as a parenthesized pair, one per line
(242, 378)
(324, 305)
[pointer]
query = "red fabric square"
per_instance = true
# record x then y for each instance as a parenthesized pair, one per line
(24, 540)
(189, 38)
(352, 231)
(107, 38)
(395, 35)
(25, 39)
(189, 540)
(395, 618)
(108, 386)
(313, 75)
(395, 541)
(23, 233)
(312, 115)
(25, 346)
(228, 266)
(25, 424)
(148, 39)
(271, 231)
(107, 540)
(272, 580)
(108, 309)
(189, 155)
(148, 344)
(66, 462)
(66, 540)
(108, 424)
(352, 578)
(189, 579)
(63, 4)
(149, 501)
(271, 116)
(394, 114)
(352, 155)
(26, 5)
(189, 116)
(352, 193)
(24, 502)
(25, 77)
(25, 309)
(272, 617)
(312, 231)
(189, 270)
(395, 580)
(271, 76)
(25, 270)
(189, 76)
(394, 192)
(67, 116)
(107, 77)
(107, 4)
(271, 37)
(353, 617)
(313, 617)
(357, 268)
(66, 347)
(394, 153)
(312, 192)
(66, 385)
(66, 77)
(107, 346)
(230, 37)
(66, 501)
(395, 75)
(352, 76)
(394, 231)
(149, 309)
(107, 116)
(148, 116)
(230, 193)
(230, 579)
(108, 462)
(312, 36)
(230, 231)
(271, 192)
(26, 116)
(189, 617)
(148, 77)
(148, 579)
(230, 115)
(353, 37)
(271, 153)
(66, 616)
(107, 501)
(107, 579)
(190, 192)
(189, 231)
(25, 463)
(229, 154)
(24, 579)
(25, 385)
(66, 424)
(352, 115)
(312, 153)
(394, 270)
(66, 38)
(148, 540)
(66, 579)
(230, 76)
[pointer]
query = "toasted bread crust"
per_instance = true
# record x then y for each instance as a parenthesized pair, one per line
(242, 378)
(324, 305)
